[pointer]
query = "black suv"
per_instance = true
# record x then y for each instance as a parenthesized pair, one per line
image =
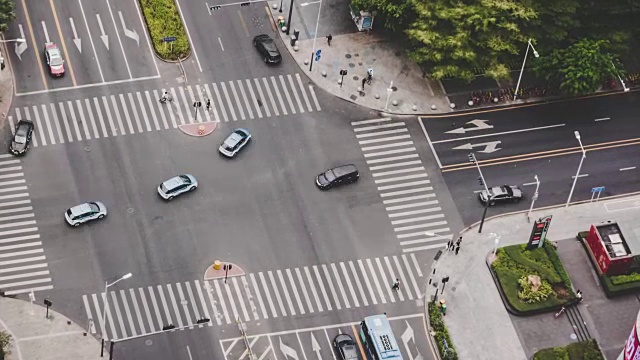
(22, 138)
(340, 175)
(267, 48)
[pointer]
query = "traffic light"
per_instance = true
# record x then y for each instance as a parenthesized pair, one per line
(472, 158)
(245, 4)
(480, 181)
(216, 7)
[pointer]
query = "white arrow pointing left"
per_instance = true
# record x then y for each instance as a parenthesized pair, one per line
(476, 125)
(315, 346)
(76, 39)
(407, 336)
(489, 147)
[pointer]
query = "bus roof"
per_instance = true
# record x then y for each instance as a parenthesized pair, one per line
(380, 332)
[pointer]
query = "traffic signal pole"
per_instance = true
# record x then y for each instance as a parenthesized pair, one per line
(472, 158)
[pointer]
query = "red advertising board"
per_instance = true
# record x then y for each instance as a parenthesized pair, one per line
(632, 349)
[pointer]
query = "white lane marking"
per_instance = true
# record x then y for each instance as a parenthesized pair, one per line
(408, 206)
(220, 42)
(295, 93)
(265, 287)
(392, 158)
(87, 104)
(118, 118)
(63, 115)
(384, 139)
(413, 279)
(386, 146)
(390, 152)
(628, 168)
(423, 248)
(315, 101)
(244, 97)
(401, 178)
(304, 93)
(286, 292)
(380, 126)
(295, 290)
(581, 175)
(339, 281)
(333, 289)
(415, 263)
(500, 133)
(275, 88)
(95, 55)
(367, 282)
(189, 36)
(152, 110)
(408, 184)
(358, 283)
(176, 310)
(256, 291)
(394, 165)
(187, 106)
(203, 302)
(147, 310)
(136, 308)
(235, 96)
(314, 292)
(286, 93)
(421, 218)
(426, 240)
(209, 290)
(85, 125)
(275, 290)
(402, 277)
(113, 20)
(602, 119)
(144, 112)
(253, 98)
(433, 150)
(116, 307)
(123, 103)
(384, 280)
(262, 99)
(226, 95)
(36, 115)
(424, 233)
(222, 110)
(105, 104)
(420, 226)
(222, 302)
(165, 307)
(408, 198)
(324, 291)
(45, 114)
(265, 83)
(304, 289)
(372, 121)
(243, 307)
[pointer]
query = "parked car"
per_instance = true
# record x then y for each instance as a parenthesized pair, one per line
(346, 347)
(21, 138)
(177, 185)
(235, 142)
(80, 214)
(340, 175)
(54, 60)
(499, 194)
(267, 48)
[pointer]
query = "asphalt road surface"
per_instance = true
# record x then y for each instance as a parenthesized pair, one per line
(514, 145)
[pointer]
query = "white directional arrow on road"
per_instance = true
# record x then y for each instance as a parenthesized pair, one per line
(103, 36)
(76, 39)
(129, 33)
(477, 125)
(489, 147)
(287, 351)
(20, 47)
(407, 336)
(315, 346)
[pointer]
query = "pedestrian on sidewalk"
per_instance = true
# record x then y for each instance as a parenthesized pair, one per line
(364, 80)
(459, 241)
(329, 38)
(449, 244)
(208, 104)
(579, 295)
(396, 285)
(457, 249)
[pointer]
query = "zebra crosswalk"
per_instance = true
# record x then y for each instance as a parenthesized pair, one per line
(255, 296)
(403, 183)
(23, 265)
(141, 111)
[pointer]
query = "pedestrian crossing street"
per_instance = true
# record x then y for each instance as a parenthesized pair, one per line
(403, 183)
(256, 296)
(141, 111)
(23, 265)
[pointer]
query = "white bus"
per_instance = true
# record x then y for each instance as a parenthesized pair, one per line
(377, 337)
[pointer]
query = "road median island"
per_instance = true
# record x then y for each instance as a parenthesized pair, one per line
(439, 332)
(531, 281)
(163, 21)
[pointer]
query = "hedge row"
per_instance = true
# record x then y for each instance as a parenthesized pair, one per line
(441, 333)
(5, 340)
(163, 20)
(585, 350)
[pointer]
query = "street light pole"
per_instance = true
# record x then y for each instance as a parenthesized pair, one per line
(104, 310)
(472, 158)
(575, 179)
(535, 53)
(289, 19)
(315, 36)
(18, 40)
(534, 198)
(624, 86)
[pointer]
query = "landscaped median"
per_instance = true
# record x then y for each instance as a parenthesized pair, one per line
(164, 21)
(585, 350)
(441, 334)
(532, 281)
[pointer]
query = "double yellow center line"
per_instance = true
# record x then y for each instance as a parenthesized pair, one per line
(543, 154)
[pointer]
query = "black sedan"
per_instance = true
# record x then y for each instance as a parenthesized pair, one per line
(346, 347)
(498, 194)
(21, 138)
(267, 49)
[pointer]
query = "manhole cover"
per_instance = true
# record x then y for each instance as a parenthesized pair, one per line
(348, 56)
(148, 342)
(573, 337)
(353, 97)
(352, 65)
(356, 78)
(394, 88)
(130, 210)
(87, 148)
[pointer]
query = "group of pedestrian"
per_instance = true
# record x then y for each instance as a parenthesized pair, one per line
(454, 245)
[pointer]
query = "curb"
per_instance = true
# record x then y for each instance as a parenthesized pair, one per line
(199, 129)
(212, 274)
(432, 340)
(7, 99)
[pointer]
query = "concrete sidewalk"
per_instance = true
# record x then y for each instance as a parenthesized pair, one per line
(479, 325)
(38, 338)
(357, 52)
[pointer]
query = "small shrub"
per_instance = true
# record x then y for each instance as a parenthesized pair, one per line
(545, 269)
(527, 294)
(5, 341)
(441, 333)
(586, 350)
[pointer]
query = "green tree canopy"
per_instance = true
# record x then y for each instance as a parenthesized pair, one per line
(7, 14)
(580, 68)
(459, 38)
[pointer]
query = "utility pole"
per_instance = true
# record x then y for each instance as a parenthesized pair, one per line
(472, 158)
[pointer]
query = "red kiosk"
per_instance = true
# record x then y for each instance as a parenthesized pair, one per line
(612, 251)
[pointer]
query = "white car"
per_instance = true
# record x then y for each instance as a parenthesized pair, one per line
(235, 142)
(177, 185)
(79, 214)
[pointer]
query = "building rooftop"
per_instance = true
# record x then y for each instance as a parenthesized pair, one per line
(617, 244)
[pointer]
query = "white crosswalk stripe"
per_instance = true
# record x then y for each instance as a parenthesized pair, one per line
(141, 310)
(403, 184)
(23, 265)
(140, 111)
